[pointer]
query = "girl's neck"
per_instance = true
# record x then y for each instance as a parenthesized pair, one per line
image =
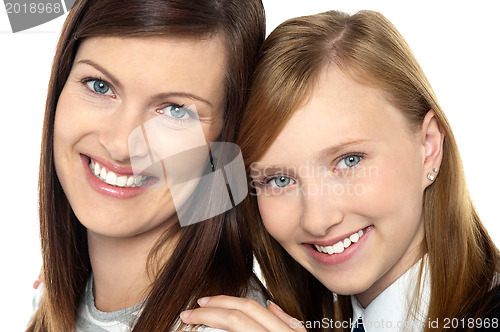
(119, 266)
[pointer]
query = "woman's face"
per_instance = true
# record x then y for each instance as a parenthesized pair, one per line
(126, 101)
(341, 188)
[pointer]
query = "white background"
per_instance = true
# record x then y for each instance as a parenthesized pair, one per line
(454, 41)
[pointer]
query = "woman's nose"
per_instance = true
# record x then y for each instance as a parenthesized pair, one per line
(118, 132)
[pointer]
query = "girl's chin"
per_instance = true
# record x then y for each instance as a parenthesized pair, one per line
(348, 286)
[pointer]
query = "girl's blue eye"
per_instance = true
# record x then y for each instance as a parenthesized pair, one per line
(99, 86)
(349, 161)
(280, 181)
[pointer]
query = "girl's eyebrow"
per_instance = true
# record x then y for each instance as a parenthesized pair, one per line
(117, 83)
(332, 150)
(256, 172)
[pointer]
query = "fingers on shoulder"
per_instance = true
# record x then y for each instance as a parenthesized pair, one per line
(227, 319)
(230, 302)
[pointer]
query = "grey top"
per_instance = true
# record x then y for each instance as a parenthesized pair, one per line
(91, 319)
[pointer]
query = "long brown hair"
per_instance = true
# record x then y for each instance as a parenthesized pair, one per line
(212, 257)
(462, 258)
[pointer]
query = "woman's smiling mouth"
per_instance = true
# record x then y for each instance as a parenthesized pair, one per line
(114, 179)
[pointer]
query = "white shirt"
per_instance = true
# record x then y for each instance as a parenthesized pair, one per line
(389, 310)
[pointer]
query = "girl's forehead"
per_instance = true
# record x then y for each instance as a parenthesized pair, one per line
(338, 111)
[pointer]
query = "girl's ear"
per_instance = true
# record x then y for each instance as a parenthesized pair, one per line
(432, 139)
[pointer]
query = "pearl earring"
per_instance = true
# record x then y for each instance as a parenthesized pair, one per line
(432, 176)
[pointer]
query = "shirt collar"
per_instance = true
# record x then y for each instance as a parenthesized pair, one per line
(389, 310)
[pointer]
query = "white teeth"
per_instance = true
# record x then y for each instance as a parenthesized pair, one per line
(347, 243)
(97, 169)
(121, 181)
(354, 238)
(130, 181)
(102, 174)
(113, 179)
(339, 247)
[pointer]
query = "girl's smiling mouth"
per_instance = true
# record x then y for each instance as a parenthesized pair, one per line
(341, 245)
(338, 250)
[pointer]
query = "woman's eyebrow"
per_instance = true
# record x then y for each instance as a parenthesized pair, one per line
(114, 80)
(182, 95)
(117, 83)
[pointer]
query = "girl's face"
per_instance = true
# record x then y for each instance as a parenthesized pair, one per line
(341, 188)
(116, 87)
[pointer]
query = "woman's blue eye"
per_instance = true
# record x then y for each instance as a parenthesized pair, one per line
(178, 112)
(280, 181)
(349, 161)
(99, 86)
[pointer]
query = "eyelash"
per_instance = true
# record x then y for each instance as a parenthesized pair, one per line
(191, 114)
(86, 80)
(267, 180)
(361, 156)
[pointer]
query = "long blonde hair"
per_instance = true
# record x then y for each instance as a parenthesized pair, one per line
(462, 258)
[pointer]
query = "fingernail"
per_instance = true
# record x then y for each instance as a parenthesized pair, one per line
(185, 314)
(203, 300)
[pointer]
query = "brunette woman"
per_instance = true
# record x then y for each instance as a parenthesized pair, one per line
(114, 255)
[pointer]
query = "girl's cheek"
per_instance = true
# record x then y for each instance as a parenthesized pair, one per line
(274, 218)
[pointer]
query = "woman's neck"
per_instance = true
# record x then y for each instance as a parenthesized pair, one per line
(119, 266)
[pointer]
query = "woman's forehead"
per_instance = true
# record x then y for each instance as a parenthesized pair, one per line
(160, 64)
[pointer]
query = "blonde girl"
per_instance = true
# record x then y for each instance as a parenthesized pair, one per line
(360, 210)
